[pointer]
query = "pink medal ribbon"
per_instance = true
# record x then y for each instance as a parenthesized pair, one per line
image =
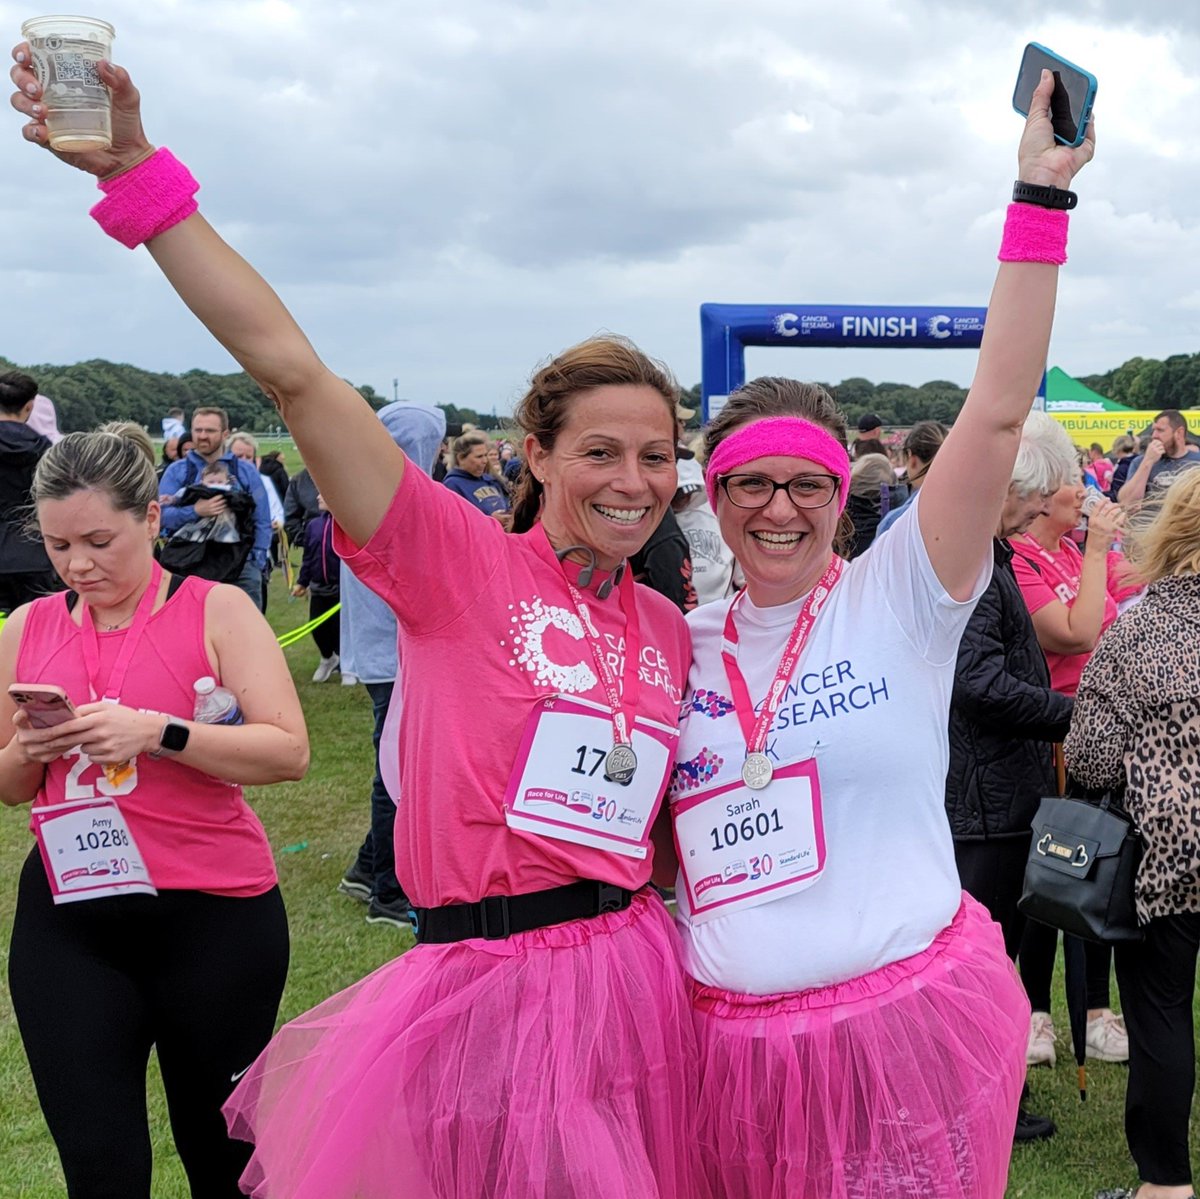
(621, 761)
(757, 769)
(111, 692)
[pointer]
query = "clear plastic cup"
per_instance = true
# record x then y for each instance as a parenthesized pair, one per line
(66, 51)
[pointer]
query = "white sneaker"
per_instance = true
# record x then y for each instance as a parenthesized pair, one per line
(1040, 1050)
(1107, 1039)
(349, 680)
(325, 668)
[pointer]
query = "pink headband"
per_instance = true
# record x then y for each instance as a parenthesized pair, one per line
(779, 436)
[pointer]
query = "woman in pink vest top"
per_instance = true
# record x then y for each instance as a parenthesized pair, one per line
(148, 914)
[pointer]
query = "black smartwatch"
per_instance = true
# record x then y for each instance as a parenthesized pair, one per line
(172, 740)
(1043, 195)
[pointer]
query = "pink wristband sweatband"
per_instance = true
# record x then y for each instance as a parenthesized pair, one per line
(1034, 234)
(779, 436)
(146, 200)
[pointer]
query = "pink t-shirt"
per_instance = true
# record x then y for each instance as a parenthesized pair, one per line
(1048, 575)
(195, 832)
(1102, 469)
(487, 628)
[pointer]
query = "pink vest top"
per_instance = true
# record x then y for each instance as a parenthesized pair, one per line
(194, 831)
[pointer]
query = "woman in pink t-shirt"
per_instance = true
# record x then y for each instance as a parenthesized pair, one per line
(149, 912)
(1071, 595)
(536, 1044)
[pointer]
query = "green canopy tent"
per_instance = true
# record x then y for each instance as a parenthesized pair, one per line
(1064, 394)
(1091, 418)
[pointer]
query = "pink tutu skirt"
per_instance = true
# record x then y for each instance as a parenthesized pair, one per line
(558, 1064)
(901, 1084)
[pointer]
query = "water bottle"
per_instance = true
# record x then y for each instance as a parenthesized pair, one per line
(214, 704)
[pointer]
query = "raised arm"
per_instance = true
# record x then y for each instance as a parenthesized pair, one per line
(1075, 629)
(963, 494)
(355, 464)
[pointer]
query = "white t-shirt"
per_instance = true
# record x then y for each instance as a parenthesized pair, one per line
(869, 699)
(713, 565)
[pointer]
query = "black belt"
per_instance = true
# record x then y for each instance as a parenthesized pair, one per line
(500, 916)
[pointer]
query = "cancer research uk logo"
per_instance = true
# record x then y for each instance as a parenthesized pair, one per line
(942, 326)
(544, 634)
(530, 627)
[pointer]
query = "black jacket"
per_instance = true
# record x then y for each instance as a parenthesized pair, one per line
(20, 449)
(867, 510)
(664, 564)
(273, 469)
(299, 506)
(1003, 716)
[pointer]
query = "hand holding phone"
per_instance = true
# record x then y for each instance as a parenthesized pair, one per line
(1074, 92)
(1042, 160)
(45, 704)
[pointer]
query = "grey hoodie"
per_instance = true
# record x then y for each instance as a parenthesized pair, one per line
(368, 627)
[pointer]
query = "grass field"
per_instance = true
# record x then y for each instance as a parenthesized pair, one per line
(315, 827)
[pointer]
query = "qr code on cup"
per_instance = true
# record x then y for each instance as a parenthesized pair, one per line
(75, 68)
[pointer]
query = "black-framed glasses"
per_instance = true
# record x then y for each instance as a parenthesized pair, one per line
(757, 491)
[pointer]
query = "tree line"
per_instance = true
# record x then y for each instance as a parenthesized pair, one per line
(87, 394)
(1152, 385)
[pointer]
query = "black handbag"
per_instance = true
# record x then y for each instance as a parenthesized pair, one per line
(1081, 869)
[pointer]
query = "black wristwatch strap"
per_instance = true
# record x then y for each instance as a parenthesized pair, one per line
(1043, 195)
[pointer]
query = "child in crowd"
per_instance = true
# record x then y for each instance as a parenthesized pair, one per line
(319, 579)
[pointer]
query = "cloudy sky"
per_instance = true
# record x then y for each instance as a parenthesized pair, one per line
(447, 194)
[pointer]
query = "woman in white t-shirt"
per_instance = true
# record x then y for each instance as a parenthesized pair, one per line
(862, 1032)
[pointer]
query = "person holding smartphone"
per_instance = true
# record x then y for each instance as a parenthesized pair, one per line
(862, 1031)
(148, 913)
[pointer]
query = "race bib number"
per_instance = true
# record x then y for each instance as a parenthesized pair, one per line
(88, 851)
(740, 848)
(558, 788)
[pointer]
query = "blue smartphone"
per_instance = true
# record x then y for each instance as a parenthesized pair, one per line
(1074, 92)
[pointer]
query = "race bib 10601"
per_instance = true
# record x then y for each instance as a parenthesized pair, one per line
(740, 848)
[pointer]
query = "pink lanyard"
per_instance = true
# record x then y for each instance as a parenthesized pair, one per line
(91, 645)
(1039, 549)
(757, 769)
(621, 761)
(622, 698)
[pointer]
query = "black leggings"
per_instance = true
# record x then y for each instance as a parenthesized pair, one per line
(327, 635)
(1039, 946)
(1157, 978)
(95, 984)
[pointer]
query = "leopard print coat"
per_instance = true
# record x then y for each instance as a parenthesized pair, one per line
(1137, 722)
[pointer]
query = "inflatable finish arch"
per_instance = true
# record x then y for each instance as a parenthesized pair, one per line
(727, 329)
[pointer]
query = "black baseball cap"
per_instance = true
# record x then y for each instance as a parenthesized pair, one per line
(869, 421)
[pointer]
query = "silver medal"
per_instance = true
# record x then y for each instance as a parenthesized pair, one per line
(757, 771)
(620, 763)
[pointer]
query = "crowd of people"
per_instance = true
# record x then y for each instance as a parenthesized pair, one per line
(650, 667)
